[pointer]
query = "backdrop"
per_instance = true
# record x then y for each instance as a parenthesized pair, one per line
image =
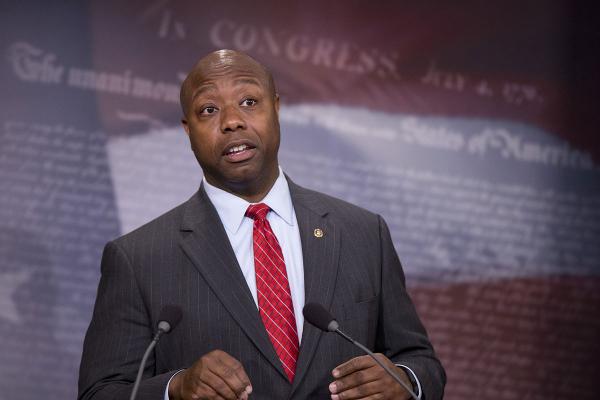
(471, 127)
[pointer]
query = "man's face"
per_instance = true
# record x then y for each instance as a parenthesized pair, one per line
(232, 122)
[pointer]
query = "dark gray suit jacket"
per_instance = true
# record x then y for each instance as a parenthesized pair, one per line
(184, 257)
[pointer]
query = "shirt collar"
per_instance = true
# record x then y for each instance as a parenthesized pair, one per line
(232, 209)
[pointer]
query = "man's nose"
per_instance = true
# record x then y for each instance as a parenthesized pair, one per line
(231, 119)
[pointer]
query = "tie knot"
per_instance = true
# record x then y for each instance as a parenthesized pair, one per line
(258, 211)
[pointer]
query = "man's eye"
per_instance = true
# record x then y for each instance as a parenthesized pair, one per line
(208, 110)
(249, 102)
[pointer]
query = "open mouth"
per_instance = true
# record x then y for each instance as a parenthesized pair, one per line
(239, 152)
(237, 149)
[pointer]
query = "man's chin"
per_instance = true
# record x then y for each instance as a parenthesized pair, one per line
(243, 179)
(240, 182)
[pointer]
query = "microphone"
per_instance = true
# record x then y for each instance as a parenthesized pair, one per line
(318, 316)
(168, 318)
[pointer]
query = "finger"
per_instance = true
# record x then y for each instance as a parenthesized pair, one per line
(240, 373)
(355, 379)
(203, 391)
(353, 365)
(232, 373)
(360, 392)
(216, 383)
(376, 396)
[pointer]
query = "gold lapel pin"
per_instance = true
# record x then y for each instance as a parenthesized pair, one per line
(318, 232)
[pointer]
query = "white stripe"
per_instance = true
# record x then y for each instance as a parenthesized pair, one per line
(270, 232)
(272, 248)
(275, 294)
(283, 274)
(284, 288)
(270, 258)
(281, 345)
(288, 368)
(292, 327)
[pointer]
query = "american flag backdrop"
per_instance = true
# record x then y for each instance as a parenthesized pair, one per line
(472, 127)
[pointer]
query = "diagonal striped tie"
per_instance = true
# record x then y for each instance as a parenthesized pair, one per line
(273, 289)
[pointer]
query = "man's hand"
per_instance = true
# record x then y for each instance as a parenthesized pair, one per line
(216, 375)
(363, 378)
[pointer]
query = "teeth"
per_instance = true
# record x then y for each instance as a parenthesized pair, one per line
(237, 149)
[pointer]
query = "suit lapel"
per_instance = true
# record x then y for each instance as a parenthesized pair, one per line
(320, 251)
(210, 251)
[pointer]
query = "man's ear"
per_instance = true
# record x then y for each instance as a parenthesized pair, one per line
(276, 103)
(185, 125)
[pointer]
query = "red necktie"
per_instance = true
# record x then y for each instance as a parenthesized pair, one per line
(273, 289)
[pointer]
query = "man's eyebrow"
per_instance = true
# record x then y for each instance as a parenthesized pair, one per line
(202, 89)
(247, 80)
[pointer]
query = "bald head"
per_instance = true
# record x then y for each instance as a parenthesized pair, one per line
(220, 63)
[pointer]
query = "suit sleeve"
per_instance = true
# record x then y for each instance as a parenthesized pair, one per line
(117, 337)
(401, 335)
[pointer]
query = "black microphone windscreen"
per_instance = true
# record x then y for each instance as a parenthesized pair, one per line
(171, 314)
(317, 315)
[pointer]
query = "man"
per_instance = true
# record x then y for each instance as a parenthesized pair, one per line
(241, 258)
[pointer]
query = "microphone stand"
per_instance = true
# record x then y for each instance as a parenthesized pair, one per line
(138, 379)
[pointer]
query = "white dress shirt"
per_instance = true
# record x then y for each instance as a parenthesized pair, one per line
(239, 228)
